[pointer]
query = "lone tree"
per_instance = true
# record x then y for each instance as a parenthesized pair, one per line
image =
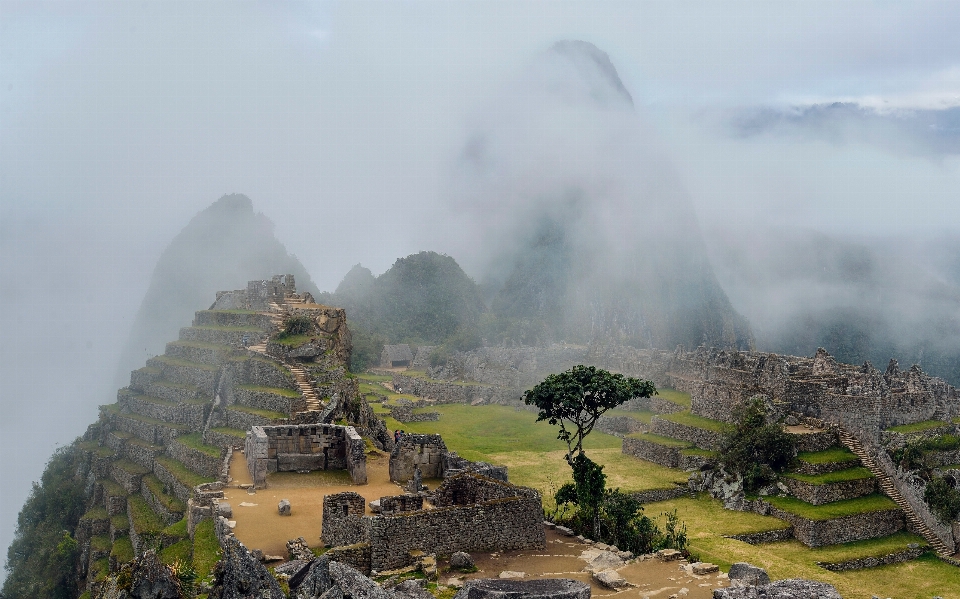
(576, 399)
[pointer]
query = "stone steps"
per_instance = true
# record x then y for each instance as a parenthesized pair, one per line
(890, 490)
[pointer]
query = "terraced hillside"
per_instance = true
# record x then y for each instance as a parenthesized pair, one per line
(172, 427)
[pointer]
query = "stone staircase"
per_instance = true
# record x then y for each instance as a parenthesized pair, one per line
(278, 314)
(888, 487)
(305, 384)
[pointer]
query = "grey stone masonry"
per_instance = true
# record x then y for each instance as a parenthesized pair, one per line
(815, 441)
(701, 437)
(664, 455)
(343, 521)
(514, 521)
(396, 504)
(305, 447)
(196, 460)
(413, 451)
(830, 492)
(818, 533)
(861, 563)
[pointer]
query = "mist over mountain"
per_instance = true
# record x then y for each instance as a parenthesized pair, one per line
(584, 229)
(861, 299)
(223, 246)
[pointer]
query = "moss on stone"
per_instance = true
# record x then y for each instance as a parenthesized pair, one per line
(195, 441)
(837, 509)
(122, 550)
(206, 549)
(155, 486)
(832, 477)
(183, 474)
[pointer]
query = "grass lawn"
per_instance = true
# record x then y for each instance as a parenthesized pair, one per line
(673, 396)
(696, 421)
(832, 477)
(661, 440)
(917, 427)
(837, 509)
(827, 456)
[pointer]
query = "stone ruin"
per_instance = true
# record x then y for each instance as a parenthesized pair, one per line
(429, 455)
(470, 513)
(259, 294)
(305, 447)
(396, 356)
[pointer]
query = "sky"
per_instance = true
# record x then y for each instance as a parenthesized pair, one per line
(342, 121)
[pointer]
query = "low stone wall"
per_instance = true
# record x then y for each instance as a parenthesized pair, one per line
(264, 400)
(221, 318)
(262, 372)
(655, 495)
(815, 441)
(305, 447)
(443, 392)
(197, 461)
(619, 426)
(176, 393)
(190, 414)
(453, 465)
(942, 458)
(199, 375)
(663, 455)
(894, 439)
(396, 504)
(200, 353)
(140, 378)
(701, 437)
(115, 502)
(241, 420)
(767, 536)
(129, 480)
(872, 562)
(406, 414)
(157, 433)
(212, 437)
(177, 488)
(159, 507)
(496, 525)
(825, 468)
(356, 556)
(828, 493)
(140, 452)
(218, 336)
(818, 533)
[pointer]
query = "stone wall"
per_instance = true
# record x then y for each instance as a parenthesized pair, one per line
(701, 437)
(816, 441)
(413, 451)
(619, 426)
(263, 400)
(305, 447)
(818, 533)
(861, 563)
(513, 522)
(828, 493)
(397, 504)
(766, 536)
(663, 455)
(197, 461)
(343, 520)
(655, 495)
(444, 392)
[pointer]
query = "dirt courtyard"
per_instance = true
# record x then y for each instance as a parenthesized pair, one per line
(259, 526)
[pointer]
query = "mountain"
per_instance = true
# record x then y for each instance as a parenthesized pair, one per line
(422, 298)
(225, 243)
(587, 232)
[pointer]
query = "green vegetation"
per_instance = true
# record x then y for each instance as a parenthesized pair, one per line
(917, 427)
(695, 421)
(755, 449)
(99, 450)
(574, 400)
(120, 522)
(181, 551)
(206, 549)
(195, 441)
(176, 530)
(101, 543)
(173, 361)
(705, 453)
(112, 489)
(837, 509)
(912, 456)
(181, 472)
(643, 416)
(827, 456)
(168, 501)
(233, 432)
(294, 340)
(832, 477)
(42, 557)
(678, 397)
(131, 467)
(275, 390)
(97, 512)
(122, 550)
(145, 521)
(943, 499)
(660, 440)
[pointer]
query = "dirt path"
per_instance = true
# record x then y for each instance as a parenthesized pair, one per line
(653, 578)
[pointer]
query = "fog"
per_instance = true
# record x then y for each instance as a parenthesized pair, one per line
(346, 123)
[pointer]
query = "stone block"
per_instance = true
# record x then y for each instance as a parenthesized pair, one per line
(284, 507)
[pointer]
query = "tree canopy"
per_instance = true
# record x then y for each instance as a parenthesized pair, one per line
(576, 399)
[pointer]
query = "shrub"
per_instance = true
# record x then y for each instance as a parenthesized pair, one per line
(755, 449)
(296, 325)
(943, 499)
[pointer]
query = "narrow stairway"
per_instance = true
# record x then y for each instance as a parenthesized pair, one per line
(891, 491)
